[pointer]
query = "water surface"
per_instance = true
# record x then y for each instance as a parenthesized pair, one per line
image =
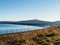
(10, 28)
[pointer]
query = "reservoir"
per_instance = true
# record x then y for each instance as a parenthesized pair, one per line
(11, 28)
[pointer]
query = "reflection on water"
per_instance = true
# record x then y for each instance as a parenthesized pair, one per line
(10, 28)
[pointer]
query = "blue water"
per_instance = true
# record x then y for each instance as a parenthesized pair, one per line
(10, 28)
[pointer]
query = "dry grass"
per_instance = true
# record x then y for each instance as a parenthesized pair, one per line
(50, 36)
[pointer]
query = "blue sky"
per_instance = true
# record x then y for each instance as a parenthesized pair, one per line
(16, 10)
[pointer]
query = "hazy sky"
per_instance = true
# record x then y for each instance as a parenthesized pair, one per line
(14, 10)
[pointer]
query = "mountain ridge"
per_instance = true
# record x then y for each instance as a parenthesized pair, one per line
(34, 22)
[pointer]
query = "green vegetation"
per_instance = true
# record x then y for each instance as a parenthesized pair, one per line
(50, 36)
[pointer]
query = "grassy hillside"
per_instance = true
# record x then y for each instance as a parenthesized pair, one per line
(50, 36)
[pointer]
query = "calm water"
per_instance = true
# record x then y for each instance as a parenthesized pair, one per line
(10, 28)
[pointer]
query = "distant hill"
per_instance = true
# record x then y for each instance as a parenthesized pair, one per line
(34, 22)
(56, 23)
(29, 22)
